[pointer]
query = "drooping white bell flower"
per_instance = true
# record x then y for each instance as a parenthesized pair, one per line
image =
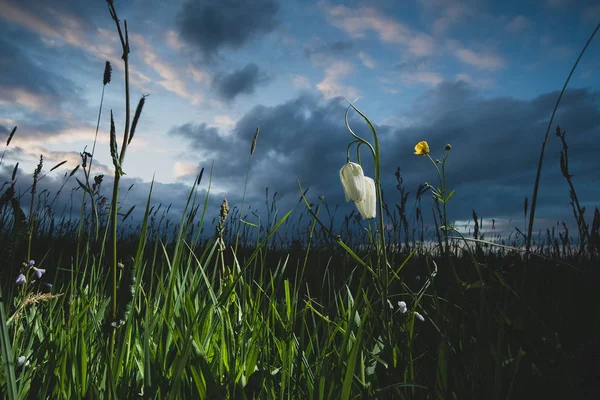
(367, 207)
(353, 181)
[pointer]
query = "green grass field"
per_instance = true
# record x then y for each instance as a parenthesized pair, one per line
(287, 308)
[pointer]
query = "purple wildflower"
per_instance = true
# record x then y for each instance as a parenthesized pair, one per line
(419, 316)
(21, 279)
(39, 272)
(31, 263)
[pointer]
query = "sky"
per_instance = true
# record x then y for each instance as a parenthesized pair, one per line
(481, 75)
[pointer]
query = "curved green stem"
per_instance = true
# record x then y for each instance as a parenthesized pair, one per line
(377, 162)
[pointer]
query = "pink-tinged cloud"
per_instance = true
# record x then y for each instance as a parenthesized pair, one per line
(169, 73)
(423, 77)
(33, 101)
(199, 75)
(480, 60)
(184, 169)
(224, 123)
(331, 86)
(358, 21)
(173, 40)
(69, 30)
(367, 60)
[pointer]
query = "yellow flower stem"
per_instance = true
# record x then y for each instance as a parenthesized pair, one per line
(442, 192)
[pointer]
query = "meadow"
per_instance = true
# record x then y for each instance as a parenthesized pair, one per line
(384, 307)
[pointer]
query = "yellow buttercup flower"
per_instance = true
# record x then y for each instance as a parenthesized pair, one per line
(422, 148)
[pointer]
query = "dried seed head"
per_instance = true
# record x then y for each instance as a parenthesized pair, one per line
(58, 165)
(253, 147)
(199, 179)
(74, 171)
(14, 173)
(12, 133)
(136, 117)
(38, 169)
(224, 210)
(107, 73)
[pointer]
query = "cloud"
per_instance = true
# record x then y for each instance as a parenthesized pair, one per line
(199, 75)
(480, 83)
(173, 40)
(495, 149)
(241, 81)
(300, 81)
(184, 170)
(429, 78)
(71, 25)
(367, 60)
(410, 64)
(24, 82)
(172, 196)
(169, 73)
(518, 24)
(210, 26)
(358, 21)
(331, 86)
(320, 53)
(453, 14)
(224, 123)
(446, 14)
(480, 60)
(295, 137)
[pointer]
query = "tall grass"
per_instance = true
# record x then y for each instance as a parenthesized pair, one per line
(292, 308)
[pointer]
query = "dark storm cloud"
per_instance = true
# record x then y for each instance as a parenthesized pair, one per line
(241, 81)
(496, 145)
(133, 192)
(323, 50)
(300, 139)
(210, 26)
(495, 149)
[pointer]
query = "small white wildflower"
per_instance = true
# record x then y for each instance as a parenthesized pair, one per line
(368, 206)
(391, 305)
(419, 316)
(353, 181)
(402, 307)
(22, 361)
